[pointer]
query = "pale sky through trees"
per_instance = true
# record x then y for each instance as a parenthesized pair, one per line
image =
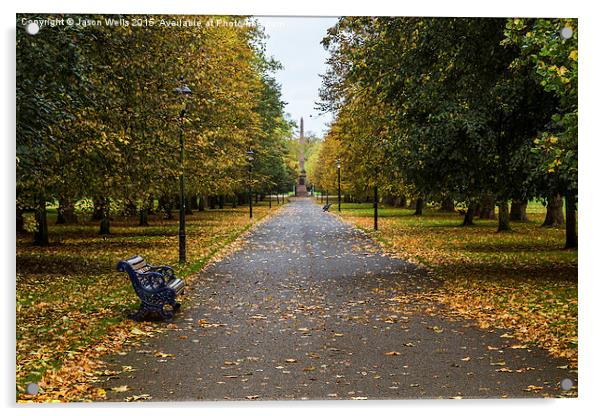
(295, 42)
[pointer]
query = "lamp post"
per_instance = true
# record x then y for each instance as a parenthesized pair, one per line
(376, 173)
(250, 160)
(339, 179)
(183, 90)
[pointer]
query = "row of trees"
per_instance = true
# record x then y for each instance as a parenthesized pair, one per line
(472, 111)
(98, 117)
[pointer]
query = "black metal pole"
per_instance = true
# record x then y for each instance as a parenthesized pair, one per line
(375, 207)
(339, 177)
(327, 197)
(250, 194)
(182, 230)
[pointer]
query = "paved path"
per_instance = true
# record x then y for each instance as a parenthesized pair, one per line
(310, 309)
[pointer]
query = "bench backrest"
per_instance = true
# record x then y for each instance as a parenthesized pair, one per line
(133, 267)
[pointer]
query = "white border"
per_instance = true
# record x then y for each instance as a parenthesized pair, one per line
(590, 203)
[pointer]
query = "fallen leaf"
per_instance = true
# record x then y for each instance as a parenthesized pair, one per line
(163, 354)
(138, 397)
(392, 353)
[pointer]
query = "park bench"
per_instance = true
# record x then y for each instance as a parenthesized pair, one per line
(326, 207)
(156, 286)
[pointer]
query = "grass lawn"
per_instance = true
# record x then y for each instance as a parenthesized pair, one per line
(521, 280)
(70, 297)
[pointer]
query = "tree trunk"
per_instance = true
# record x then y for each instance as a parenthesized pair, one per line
(105, 226)
(151, 204)
(469, 215)
(105, 223)
(518, 210)
(256, 198)
(40, 235)
(129, 208)
(419, 206)
(187, 207)
(220, 201)
(97, 210)
(571, 221)
(487, 208)
(66, 212)
(20, 220)
(143, 216)
(447, 205)
(503, 217)
(212, 202)
(554, 214)
(165, 205)
(234, 201)
(194, 202)
(401, 202)
(388, 200)
(202, 203)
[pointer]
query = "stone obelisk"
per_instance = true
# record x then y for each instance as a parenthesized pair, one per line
(301, 188)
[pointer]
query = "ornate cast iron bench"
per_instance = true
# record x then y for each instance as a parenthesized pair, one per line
(156, 286)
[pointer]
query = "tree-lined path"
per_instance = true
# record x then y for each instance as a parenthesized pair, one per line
(311, 308)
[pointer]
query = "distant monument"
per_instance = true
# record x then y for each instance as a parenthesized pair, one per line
(301, 188)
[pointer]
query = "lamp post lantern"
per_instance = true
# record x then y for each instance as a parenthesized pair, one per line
(183, 90)
(250, 154)
(339, 180)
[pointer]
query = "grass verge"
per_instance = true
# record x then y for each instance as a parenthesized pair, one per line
(72, 303)
(521, 280)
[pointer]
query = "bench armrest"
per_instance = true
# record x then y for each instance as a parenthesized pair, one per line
(151, 280)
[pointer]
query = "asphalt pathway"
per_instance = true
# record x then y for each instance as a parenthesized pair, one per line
(310, 308)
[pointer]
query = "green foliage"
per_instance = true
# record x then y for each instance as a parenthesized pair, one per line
(460, 108)
(554, 62)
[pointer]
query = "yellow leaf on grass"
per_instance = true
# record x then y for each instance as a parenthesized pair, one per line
(392, 353)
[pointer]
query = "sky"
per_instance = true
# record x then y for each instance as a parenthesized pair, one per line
(295, 43)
